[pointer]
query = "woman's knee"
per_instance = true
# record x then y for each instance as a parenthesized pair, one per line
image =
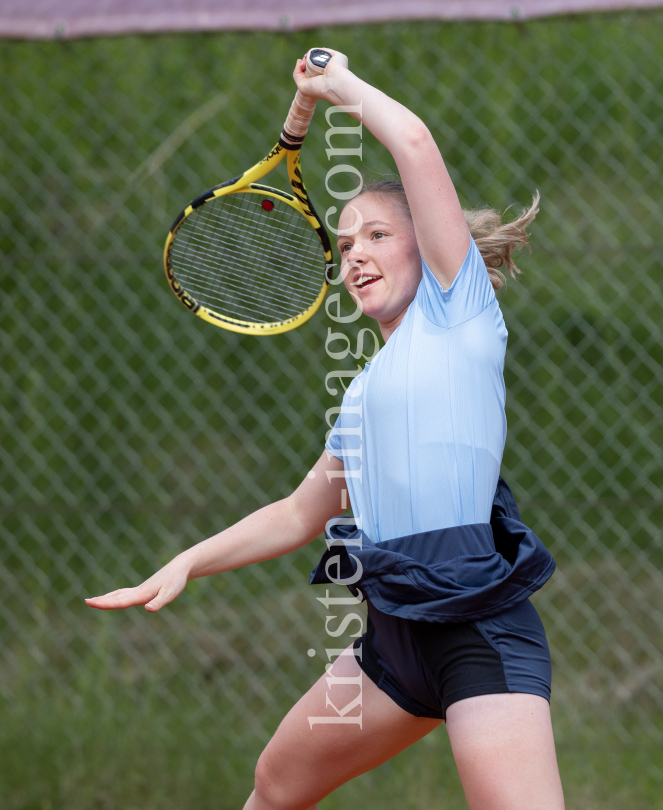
(267, 788)
(273, 789)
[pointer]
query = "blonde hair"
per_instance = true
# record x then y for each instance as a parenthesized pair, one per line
(496, 241)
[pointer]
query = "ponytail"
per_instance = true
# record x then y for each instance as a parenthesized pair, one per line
(497, 242)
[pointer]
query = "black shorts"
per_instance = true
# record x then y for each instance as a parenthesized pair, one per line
(425, 667)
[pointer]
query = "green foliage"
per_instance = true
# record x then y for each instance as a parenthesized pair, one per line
(132, 429)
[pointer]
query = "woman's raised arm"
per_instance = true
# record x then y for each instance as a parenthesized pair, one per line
(270, 532)
(440, 227)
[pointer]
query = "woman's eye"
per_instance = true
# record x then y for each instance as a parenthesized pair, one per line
(344, 248)
(378, 235)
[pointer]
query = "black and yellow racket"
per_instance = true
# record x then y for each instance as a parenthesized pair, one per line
(248, 257)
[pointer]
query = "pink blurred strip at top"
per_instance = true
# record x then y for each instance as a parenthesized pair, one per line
(53, 19)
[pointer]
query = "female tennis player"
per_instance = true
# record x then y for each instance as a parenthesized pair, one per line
(437, 547)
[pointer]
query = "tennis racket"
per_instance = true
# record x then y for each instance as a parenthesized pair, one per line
(248, 257)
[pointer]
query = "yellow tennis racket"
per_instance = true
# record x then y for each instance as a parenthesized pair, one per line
(248, 257)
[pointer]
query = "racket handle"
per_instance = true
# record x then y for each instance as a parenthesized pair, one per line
(302, 109)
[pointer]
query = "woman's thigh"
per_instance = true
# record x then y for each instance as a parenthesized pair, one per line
(342, 727)
(505, 753)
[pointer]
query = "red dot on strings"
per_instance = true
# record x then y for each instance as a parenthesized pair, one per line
(268, 205)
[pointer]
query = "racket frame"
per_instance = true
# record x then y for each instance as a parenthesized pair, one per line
(248, 182)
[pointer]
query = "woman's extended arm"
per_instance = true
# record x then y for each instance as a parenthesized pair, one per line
(440, 227)
(270, 532)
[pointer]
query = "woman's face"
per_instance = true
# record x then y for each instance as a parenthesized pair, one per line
(380, 263)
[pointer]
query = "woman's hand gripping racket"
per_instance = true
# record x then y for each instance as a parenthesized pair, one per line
(248, 257)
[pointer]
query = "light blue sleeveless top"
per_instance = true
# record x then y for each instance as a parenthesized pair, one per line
(421, 430)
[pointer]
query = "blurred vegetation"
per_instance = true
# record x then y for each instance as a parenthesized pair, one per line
(131, 429)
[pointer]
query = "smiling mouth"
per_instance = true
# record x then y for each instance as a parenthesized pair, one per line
(366, 281)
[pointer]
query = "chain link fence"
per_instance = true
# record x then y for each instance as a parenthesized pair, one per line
(132, 430)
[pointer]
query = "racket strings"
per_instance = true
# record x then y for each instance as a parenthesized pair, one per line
(202, 248)
(248, 263)
(239, 291)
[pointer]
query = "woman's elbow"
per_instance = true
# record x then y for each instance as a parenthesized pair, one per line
(415, 141)
(417, 136)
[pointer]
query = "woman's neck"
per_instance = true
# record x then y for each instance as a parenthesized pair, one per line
(387, 328)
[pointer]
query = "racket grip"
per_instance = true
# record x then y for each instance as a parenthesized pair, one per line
(302, 109)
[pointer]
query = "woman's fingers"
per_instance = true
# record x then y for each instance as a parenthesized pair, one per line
(164, 597)
(299, 75)
(122, 598)
(154, 595)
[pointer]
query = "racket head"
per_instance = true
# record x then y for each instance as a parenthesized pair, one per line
(248, 258)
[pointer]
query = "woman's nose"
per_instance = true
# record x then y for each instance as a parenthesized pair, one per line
(355, 254)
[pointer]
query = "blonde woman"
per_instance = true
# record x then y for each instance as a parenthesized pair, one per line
(437, 547)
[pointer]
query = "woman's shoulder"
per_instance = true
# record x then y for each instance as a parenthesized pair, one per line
(469, 295)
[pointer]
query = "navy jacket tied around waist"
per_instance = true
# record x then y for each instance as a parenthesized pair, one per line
(463, 573)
